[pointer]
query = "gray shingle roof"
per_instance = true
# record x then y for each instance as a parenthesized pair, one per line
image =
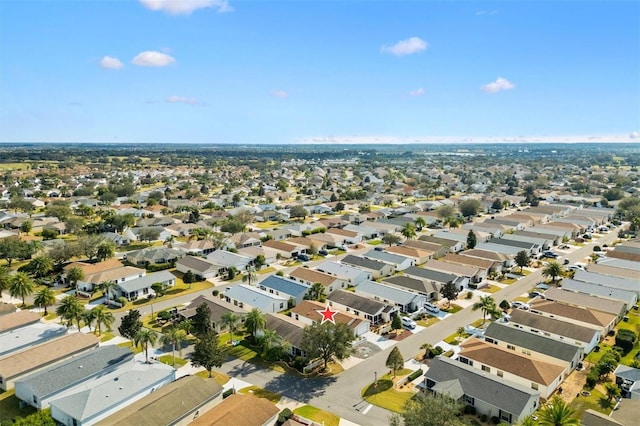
(76, 369)
(551, 325)
(361, 262)
(388, 292)
(480, 385)
(534, 342)
(412, 284)
(356, 302)
(146, 281)
(428, 274)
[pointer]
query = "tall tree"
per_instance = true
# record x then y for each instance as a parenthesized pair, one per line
(409, 230)
(316, 292)
(487, 305)
(450, 292)
(558, 413)
(230, 320)
(522, 259)
(5, 278)
(430, 410)
(130, 324)
(472, 240)
(105, 250)
(40, 266)
(70, 309)
(74, 275)
(553, 270)
(250, 276)
(145, 337)
(470, 207)
(445, 211)
(174, 336)
(208, 352)
(102, 317)
(44, 298)
(255, 321)
(22, 285)
(420, 223)
(391, 239)
(327, 341)
(107, 288)
(201, 320)
(395, 361)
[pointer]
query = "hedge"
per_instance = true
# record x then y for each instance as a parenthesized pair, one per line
(414, 375)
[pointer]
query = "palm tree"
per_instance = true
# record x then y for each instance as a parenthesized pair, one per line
(409, 230)
(102, 317)
(88, 317)
(558, 413)
(174, 336)
(74, 275)
(420, 223)
(487, 305)
(107, 287)
(316, 292)
(144, 338)
(70, 309)
(270, 340)
(254, 321)
(105, 250)
(44, 298)
(251, 275)
(40, 266)
(21, 286)
(427, 349)
(230, 319)
(553, 270)
(5, 278)
(186, 325)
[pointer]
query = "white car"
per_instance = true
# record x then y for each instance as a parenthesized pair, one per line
(520, 305)
(408, 322)
(430, 307)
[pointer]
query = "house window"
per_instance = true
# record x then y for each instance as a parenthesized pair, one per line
(513, 348)
(356, 313)
(281, 305)
(35, 399)
(145, 290)
(486, 368)
(75, 422)
(534, 386)
(500, 373)
(526, 352)
(469, 400)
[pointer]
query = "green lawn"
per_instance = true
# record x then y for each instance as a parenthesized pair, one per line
(383, 395)
(168, 359)
(134, 349)
(508, 281)
(491, 288)
(374, 242)
(452, 309)
(596, 401)
(219, 377)
(9, 407)
(456, 338)
(106, 336)
(242, 350)
(261, 393)
(317, 415)
(427, 322)
(266, 270)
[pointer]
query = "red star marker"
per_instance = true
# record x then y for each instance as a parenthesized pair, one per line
(328, 314)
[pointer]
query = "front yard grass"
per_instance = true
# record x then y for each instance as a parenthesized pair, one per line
(317, 415)
(219, 377)
(375, 242)
(266, 270)
(456, 338)
(490, 289)
(427, 322)
(596, 401)
(452, 309)
(9, 407)
(168, 359)
(262, 393)
(507, 281)
(106, 336)
(383, 395)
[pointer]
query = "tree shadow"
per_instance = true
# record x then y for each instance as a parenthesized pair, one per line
(300, 389)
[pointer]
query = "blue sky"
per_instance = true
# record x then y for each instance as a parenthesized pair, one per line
(297, 71)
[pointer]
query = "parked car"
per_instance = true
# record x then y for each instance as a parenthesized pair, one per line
(576, 268)
(520, 305)
(537, 294)
(564, 247)
(303, 257)
(587, 236)
(378, 248)
(550, 254)
(566, 262)
(430, 307)
(408, 323)
(323, 252)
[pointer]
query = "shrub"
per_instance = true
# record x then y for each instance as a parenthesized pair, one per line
(483, 418)
(299, 363)
(164, 315)
(284, 415)
(215, 292)
(280, 273)
(495, 420)
(188, 277)
(469, 294)
(625, 339)
(154, 267)
(122, 300)
(227, 393)
(414, 375)
(592, 378)
(437, 351)
(448, 354)
(597, 248)
(469, 409)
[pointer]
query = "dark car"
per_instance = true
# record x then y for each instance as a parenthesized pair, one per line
(323, 252)
(303, 257)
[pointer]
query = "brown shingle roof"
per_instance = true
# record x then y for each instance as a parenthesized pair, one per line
(312, 276)
(506, 360)
(89, 268)
(409, 251)
(280, 245)
(468, 260)
(579, 314)
(309, 309)
(17, 320)
(238, 409)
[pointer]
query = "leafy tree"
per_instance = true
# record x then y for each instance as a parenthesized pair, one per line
(70, 309)
(606, 364)
(26, 227)
(472, 240)
(450, 292)
(395, 361)
(102, 317)
(487, 305)
(88, 245)
(105, 250)
(188, 277)
(143, 338)
(553, 270)
(74, 275)
(445, 211)
(148, 234)
(272, 345)
(44, 298)
(5, 278)
(505, 305)
(298, 211)
(558, 413)
(186, 325)
(391, 239)
(396, 323)
(174, 336)
(40, 266)
(13, 248)
(74, 224)
(230, 320)
(59, 209)
(254, 321)
(208, 352)
(470, 207)
(231, 273)
(40, 418)
(522, 259)
(409, 230)
(130, 324)
(613, 391)
(340, 206)
(316, 292)
(427, 349)
(259, 261)
(327, 341)
(202, 320)
(158, 288)
(22, 285)
(430, 410)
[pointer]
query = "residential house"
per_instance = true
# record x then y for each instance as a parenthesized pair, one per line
(399, 263)
(98, 273)
(544, 243)
(601, 321)
(196, 247)
(350, 274)
(142, 287)
(245, 239)
(544, 377)
(471, 274)
(631, 282)
(549, 240)
(344, 236)
(290, 330)
(93, 402)
(284, 287)
(248, 297)
(6, 309)
(372, 310)
(270, 256)
(419, 256)
(282, 248)
(308, 312)
(217, 307)
(484, 265)
(538, 346)
(39, 389)
(225, 260)
(117, 239)
(628, 380)
(591, 417)
(132, 234)
(198, 266)
(365, 232)
(18, 319)
(153, 256)
(426, 288)
(436, 278)
(376, 268)
(531, 248)
(437, 249)
(453, 245)
(28, 335)
(593, 303)
(612, 271)
(406, 301)
(240, 409)
(489, 394)
(628, 297)
(309, 277)
(621, 263)
(557, 329)
(175, 404)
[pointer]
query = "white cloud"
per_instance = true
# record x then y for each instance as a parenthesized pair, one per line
(152, 58)
(498, 85)
(279, 94)
(406, 47)
(185, 7)
(111, 63)
(183, 100)
(417, 92)
(634, 135)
